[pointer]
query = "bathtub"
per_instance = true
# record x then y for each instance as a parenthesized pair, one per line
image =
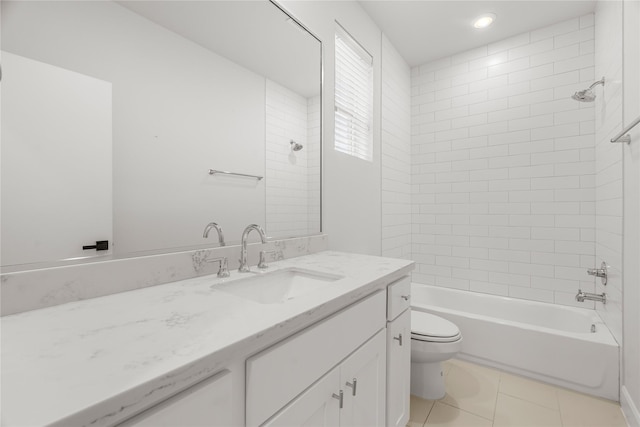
(546, 342)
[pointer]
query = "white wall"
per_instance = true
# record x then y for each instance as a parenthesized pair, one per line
(609, 160)
(630, 395)
(314, 124)
(503, 166)
(351, 186)
(396, 153)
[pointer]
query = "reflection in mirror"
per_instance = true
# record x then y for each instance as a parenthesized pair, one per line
(113, 113)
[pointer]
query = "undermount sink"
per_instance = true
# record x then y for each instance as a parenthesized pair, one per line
(278, 286)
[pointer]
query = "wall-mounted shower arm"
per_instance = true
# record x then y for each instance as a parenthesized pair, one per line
(599, 82)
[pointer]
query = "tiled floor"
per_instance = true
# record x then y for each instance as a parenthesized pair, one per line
(481, 396)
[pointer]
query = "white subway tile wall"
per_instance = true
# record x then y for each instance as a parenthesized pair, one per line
(292, 178)
(396, 154)
(608, 161)
(314, 126)
(503, 166)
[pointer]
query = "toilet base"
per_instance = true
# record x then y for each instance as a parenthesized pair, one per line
(427, 380)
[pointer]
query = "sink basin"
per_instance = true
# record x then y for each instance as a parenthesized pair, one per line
(278, 286)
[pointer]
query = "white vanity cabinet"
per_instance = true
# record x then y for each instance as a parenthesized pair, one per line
(205, 404)
(297, 368)
(398, 352)
(351, 394)
(350, 369)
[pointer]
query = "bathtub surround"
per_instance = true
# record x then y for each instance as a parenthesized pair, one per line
(503, 166)
(396, 153)
(47, 287)
(608, 122)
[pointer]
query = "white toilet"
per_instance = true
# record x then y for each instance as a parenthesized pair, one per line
(433, 340)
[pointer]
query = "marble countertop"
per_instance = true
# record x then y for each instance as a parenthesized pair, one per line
(97, 362)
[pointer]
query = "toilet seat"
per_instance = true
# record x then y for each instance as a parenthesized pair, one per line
(429, 328)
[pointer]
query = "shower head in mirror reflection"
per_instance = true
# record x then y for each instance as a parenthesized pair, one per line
(587, 95)
(295, 146)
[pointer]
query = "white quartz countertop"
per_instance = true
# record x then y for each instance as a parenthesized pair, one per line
(97, 362)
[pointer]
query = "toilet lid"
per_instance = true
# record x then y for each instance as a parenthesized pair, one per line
(427, 327)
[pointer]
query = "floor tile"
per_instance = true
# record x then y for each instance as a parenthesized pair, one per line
(514, 412)
(472, 388)
(445, 415)
(531, 390)
(579, 409)
(419, 410)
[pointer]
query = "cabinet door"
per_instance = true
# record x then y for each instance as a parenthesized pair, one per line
(317, 406)
(205, 404)
(398, 370)
(363, 379)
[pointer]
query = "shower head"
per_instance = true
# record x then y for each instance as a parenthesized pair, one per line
(295, 146)
(587, 95)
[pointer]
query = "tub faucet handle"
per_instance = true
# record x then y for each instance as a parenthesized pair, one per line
(599, 272)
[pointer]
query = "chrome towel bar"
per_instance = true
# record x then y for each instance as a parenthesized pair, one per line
(214, 172)
(621, 137)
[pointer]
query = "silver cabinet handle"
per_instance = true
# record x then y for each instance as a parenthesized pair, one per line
(340, 398)
(405, 297)
(399, 339)
(353, 386)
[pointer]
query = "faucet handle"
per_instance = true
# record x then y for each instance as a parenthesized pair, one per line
(601, 272)
(262, 264)
(223, 271)
(276, 253)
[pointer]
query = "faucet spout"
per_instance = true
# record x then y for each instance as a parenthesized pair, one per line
(244, 266)
(583, 296)
(218, 230)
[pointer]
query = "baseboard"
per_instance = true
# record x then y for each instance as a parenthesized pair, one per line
(629, 408)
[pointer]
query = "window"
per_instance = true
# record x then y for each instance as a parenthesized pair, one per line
(353, 98)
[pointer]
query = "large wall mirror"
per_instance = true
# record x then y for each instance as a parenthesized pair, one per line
(113, 113)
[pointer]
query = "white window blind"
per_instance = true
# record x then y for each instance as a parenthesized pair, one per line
(353, 98)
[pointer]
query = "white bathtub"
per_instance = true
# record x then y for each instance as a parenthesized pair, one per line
(546, 342)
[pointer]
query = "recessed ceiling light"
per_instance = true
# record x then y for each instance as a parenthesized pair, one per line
(484, 21)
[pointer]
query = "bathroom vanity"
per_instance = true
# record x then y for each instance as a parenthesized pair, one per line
(333, 348)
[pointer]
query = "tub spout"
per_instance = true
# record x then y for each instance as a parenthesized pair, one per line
(582, 296)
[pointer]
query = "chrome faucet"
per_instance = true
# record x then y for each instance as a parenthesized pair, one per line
(218, 229)
(244, 266)
(582, 296)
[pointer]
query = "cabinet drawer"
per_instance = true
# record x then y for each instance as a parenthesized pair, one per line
(278, 374)
(398, 297)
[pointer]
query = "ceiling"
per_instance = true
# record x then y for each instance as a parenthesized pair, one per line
(425, 30)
